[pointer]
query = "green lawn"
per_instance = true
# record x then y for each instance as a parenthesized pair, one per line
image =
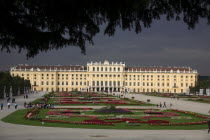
(18, 118)
(198, 101)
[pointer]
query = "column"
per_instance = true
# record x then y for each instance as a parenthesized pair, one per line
(18, 91)
(5, 95)
(10, 94)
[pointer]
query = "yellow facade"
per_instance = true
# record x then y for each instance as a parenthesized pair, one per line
(106, 76)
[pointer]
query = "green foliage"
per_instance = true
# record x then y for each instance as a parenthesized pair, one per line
(17, 83)
(35, 117)
(205, 84)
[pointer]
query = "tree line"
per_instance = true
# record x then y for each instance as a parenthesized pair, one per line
(204, 84)
(17, 83)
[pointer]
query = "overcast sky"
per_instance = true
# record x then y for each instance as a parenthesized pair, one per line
(164, 44)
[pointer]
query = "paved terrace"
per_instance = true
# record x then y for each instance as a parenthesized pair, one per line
(23, 132)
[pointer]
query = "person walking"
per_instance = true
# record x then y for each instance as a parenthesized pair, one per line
(160, 104)
(25, 104)
(8, 105)
(15, 105)
(164, 104)
(2, 105)
(170, 105)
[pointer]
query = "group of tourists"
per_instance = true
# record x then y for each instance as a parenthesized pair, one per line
(30, 105)
(25, 96)
(174, 97)
(9, 105)
(161, 105)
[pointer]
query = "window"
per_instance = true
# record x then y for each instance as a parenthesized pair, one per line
(110, 69)
(114, 69)
(118, 69)
(101, 68)
(106, 69)
(47, 83)
(52, 83)
(66, 83)
(93, 68)
(42, 82)
(58, 83)
(106, 83)
(97, 68)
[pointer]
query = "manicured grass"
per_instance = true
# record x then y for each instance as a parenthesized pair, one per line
(18, 118)
(198, 101)
(129, 101)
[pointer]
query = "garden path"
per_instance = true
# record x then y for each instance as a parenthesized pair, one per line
(180, 104)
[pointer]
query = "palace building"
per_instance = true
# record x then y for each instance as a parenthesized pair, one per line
(108, 76)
